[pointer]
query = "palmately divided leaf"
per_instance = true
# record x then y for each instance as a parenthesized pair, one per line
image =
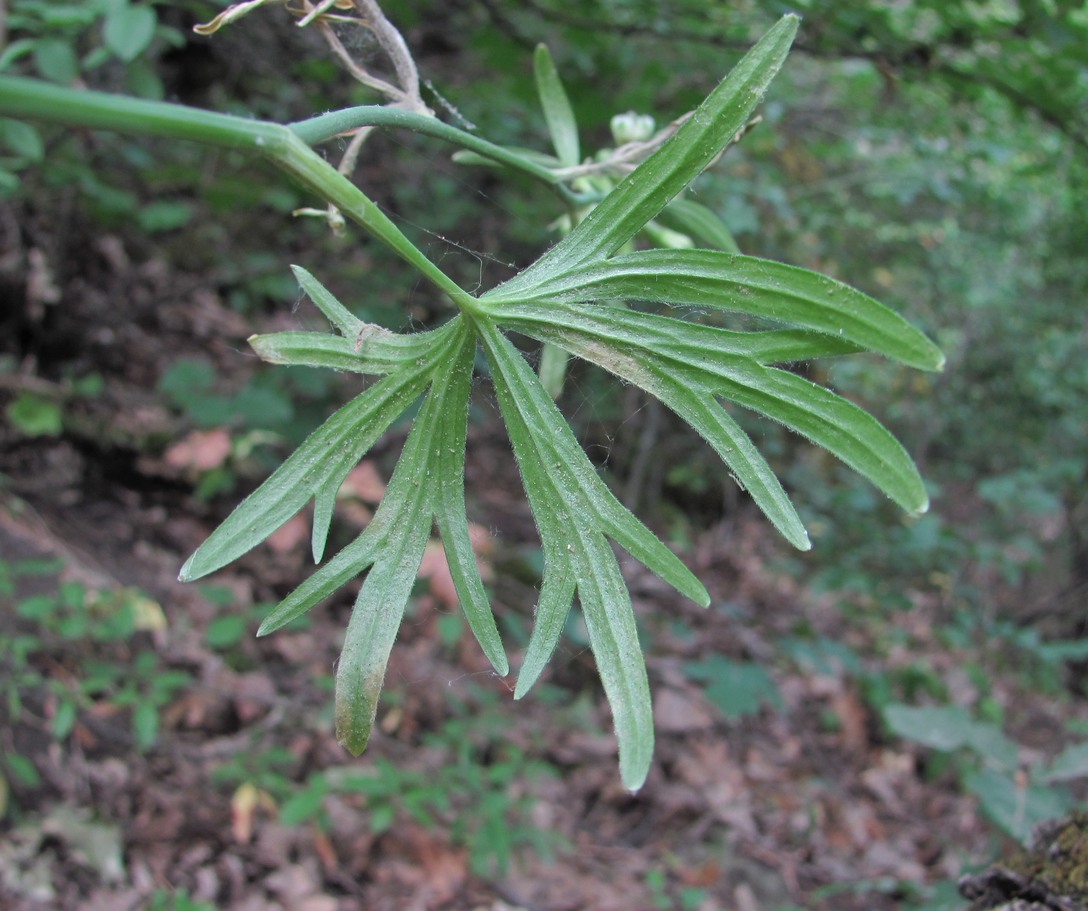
(574, 510)
(685, 364)
(692, 402)
(558, 300)
(643, 193)
(325, 458)
(746, 284)
(427, 483)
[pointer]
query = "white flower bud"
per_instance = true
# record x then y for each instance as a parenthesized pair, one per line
(632, 127)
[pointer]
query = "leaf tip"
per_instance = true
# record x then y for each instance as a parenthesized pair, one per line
(796, 534)
(354, 744)
(352, 731)
(634, 779)
(187, 573)
(319, 537)
(526, 678)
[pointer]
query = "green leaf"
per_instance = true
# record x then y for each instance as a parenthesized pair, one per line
(334, 575)
(56, 60)
(736, 449)
(360, 348)
(643, 193)
(379, 352)
(943, 728)
(13, 50)
(305, 804)
(685, 365)
(1070, 763)
(553, 369)
(427, 482)
(700, 223)
(851, 434)
(613, 637)
(403, 527)
(557, 110)
(164, 215)
(326, 457)
(736, 688)
(453, 390)
(35, 416)
(128, 30)
(22, 139)
(225, 632)
(1015, 809)
(64, 718)
(574, 511)
(745, 284)
(377, 616)
(336, 313)
(145, 725)
(553, 606)
(564, 461)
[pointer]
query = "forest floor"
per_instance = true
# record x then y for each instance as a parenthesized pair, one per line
(186, 764)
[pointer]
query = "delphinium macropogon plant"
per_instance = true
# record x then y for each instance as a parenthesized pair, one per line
(576, 300)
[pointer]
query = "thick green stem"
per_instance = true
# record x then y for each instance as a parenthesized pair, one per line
(43, 101)
(51, 103)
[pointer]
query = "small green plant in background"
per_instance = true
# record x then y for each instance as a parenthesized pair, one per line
(591, 295)
(40, 409)
(68, 650)
(968, 743)
(175, 900)
(987, 763)
(688, 898)
(484, 807)
(735, 688)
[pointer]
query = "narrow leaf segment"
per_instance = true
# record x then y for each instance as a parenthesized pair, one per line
(575, 513)
(648, 189)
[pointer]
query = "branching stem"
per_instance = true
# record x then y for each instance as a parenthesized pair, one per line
(280, 144)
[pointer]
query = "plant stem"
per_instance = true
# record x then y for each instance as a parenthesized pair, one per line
(325, 126)
(44, 101)
(51, 103)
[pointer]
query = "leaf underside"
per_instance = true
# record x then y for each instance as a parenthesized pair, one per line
(558, 300)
